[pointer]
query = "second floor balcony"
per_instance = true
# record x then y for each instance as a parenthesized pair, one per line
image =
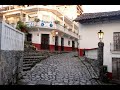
(51, 26)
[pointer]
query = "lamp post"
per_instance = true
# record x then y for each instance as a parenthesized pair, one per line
(100, 54)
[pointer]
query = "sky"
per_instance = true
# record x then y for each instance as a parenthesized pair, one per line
(99, 8)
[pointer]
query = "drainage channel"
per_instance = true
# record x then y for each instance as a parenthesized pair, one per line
(88, 66)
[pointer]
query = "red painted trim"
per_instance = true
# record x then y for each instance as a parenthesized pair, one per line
(67, 48)
(52, 47)
(109, 75)
(59, 48)
(38, 46)
(81, 51)
(91, 48)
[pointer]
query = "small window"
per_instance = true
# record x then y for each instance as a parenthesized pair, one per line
(69, 43)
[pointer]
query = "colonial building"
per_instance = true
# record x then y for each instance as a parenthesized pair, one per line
(109, 22)
(53, 28)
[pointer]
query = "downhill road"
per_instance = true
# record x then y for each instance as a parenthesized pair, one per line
(61, 69)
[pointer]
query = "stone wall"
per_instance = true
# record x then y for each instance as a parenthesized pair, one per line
(10, 66)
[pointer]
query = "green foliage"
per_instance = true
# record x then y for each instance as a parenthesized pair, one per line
(57, 22)
(36, 19)
(21, 25)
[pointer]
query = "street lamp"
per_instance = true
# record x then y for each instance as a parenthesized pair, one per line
(56, 33)
(100, 35)
(100, 54)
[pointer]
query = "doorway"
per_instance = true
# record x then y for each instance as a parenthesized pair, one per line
(116, 69)
(56, 43)
(73, 46)
(29, 37)
(62, 44)
(45, 41)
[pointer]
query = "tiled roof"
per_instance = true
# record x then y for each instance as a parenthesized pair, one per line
(96, 15)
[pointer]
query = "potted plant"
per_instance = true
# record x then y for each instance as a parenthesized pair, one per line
(36, 20)
(65, 26)
(69, 29)
(21, 26)
(57, 22)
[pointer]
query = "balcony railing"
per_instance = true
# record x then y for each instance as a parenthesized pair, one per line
(51, 25)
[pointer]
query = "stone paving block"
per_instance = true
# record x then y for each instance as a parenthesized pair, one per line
(62, 69)
(43, 82)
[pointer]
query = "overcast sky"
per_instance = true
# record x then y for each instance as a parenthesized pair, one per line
(100, 8)
(97, 8)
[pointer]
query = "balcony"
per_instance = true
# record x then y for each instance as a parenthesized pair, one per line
(115, 49)
(35, 8)
(51, 26)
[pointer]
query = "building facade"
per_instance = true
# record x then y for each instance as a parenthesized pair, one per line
(108, 22)
(55, 30)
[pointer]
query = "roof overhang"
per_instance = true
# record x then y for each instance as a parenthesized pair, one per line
(104, 18)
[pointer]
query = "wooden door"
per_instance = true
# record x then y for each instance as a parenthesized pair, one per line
(56, 43)
(116, 69)
(73, 45)
(45, 41)
(62, 44)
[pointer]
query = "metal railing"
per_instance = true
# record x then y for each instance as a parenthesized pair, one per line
(51, 25)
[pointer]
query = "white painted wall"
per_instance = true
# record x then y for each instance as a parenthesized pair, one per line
(37, 39)
(92, 54)
(89, 38)
(36, 35)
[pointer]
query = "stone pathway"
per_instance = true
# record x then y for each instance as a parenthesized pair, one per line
(61, 69)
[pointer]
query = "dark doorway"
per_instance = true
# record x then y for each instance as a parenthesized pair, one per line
(116, 69)
(62, 44)
(56, 43)
(45, 41)
(29, 37)
(73, 45)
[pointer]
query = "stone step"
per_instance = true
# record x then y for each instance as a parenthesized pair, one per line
(25, 60)
(35, 54)
(34, 57)
(26, 68)
(28, 65)
(30, 61)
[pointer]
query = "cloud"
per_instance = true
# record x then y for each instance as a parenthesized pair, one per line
(100, 8)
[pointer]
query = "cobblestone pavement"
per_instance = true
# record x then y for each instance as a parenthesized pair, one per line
(61, 69)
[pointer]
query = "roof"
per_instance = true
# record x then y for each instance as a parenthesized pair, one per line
(86, 16)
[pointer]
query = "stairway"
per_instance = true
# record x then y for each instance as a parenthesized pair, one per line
(31, 58)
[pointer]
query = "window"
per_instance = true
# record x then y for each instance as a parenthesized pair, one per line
(116, 40)
(69, 43)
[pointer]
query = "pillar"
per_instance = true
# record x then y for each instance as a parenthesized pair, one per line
(100, 58)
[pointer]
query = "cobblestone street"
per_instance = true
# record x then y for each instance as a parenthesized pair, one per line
(61, 69)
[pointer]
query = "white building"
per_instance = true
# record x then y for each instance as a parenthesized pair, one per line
(109, 23)
(46, 34)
